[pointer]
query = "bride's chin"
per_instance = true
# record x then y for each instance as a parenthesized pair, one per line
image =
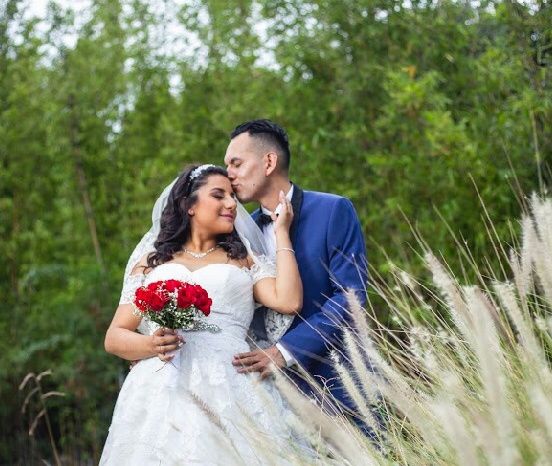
(225, 231)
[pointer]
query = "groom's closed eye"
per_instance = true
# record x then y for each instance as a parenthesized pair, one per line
(234, 162)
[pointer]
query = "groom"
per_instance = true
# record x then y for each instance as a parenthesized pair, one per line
(329, 246)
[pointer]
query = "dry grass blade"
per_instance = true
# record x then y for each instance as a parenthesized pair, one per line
(449, 288)
(43, 374)
(211, 415)
(35, 421)
(28, 399)
(340, 438)
(224, 440)
(24, 382)
(52, 393)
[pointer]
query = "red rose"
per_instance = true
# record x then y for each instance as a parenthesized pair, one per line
(205, 306)
(185, 296)
(146, 299)
(141, 299)
(157, 301)
(172, 285)
(199, 291)
(153, 286)
(202, 300)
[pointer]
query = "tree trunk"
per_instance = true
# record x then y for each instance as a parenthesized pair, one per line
(82, 183)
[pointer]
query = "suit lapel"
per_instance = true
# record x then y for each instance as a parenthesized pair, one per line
(296, 203)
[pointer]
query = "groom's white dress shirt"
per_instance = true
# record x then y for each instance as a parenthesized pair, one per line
(270, 238)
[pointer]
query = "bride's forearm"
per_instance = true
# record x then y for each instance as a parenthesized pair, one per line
(128, 344)
(289, 288)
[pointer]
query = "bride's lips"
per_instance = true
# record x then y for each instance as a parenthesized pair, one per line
(230, 217)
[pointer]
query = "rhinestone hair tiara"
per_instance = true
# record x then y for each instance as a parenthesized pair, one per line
(196, 172)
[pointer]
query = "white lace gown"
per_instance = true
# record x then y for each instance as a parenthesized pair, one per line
(199, 410)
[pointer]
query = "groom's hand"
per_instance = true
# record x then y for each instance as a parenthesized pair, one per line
(259, 361)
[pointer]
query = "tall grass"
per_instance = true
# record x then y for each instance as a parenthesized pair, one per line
(465, 377)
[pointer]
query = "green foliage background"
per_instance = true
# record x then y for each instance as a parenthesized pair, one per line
(401, 106)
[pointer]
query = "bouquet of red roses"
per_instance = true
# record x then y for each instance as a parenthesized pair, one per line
(174, 304)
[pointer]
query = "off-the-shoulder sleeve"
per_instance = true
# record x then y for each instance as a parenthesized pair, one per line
(263, 267)
(130, 285)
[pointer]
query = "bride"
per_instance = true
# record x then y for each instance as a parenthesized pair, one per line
(197, 408)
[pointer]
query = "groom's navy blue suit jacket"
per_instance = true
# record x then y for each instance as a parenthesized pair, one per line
(331, 254)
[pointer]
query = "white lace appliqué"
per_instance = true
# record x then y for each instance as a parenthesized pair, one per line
(263, 267)
(276, 324)
(130, 284)
(131, 281)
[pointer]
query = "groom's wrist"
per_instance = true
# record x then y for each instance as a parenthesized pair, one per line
(288, 357)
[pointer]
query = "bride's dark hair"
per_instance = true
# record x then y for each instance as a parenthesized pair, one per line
(175, 222)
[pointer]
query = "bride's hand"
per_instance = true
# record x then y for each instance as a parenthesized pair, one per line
(165, 340)
(282, 222)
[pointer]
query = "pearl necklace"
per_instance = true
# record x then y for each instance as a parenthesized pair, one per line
(199, 255)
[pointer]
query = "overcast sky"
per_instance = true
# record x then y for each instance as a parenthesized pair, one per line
(38, 7)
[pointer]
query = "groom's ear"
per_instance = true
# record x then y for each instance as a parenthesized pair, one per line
(271, 162)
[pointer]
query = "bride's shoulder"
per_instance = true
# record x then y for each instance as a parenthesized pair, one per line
(261, 261)
(142, 267)
(261, 267)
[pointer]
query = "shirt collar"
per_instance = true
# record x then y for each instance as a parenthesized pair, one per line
(289, 195)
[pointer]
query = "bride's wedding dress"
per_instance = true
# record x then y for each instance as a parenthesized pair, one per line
(200, 410)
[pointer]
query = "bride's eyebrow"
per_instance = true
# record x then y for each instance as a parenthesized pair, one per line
(219, 190)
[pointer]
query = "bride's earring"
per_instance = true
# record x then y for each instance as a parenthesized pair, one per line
(191, 212)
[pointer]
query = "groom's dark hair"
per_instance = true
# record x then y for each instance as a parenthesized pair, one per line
(269, 133)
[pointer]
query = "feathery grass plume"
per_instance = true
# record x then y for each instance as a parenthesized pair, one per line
(360, 365)
(491, 370)
(449, 288)
(358, 314)
(294, 446)
(455, 429)
(353, 391)
(539, 236)
(223, 440)
(542, 212)
(542, 406)
(342, 442)
(521, 264)
(526, 335)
